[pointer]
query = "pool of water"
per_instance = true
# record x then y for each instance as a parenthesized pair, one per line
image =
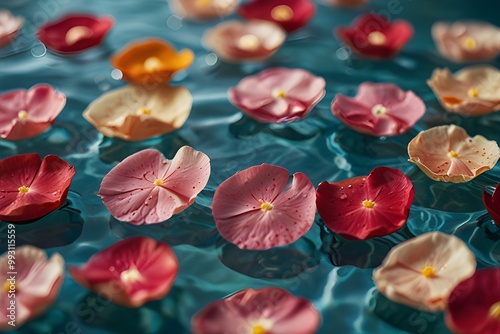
(334, 274)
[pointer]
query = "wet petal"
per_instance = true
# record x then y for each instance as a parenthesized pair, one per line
(255, 210)
(10, 27)
(131, 272)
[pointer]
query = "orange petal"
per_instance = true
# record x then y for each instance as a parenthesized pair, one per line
(151, 61)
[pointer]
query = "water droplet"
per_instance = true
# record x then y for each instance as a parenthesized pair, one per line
(343, 196)
(349, 186)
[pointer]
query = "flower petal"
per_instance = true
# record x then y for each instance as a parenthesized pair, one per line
(240, 219)
(131, 272)
(401, 279)
(274, 309)
(130, 193)
(341, 204)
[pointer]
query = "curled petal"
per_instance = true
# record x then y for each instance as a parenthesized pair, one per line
(131, 272)
(422, 272)
(35, 187)
(74, 33)
(278, 94)
(135, 113)
(28, 113)
(236, 41)
(447, 153)
(10, 27)
(146, 188)
(201, 10)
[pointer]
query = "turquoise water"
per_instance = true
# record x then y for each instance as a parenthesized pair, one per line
(319, 146)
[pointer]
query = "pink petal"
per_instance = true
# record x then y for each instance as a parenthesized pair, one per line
(10, 27)
(273, 308)
(41, 103)
(130, 194)
(154, 266)
(236, 207)
(192, 9)
(38, 281)
(257, 95)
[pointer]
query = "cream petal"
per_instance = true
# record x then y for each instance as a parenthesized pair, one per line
(430, 149)
(236, 41)
(201, 10)
(118, 113)
(400, 279)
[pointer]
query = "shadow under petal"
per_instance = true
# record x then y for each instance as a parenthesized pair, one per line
(389, 151)
(405, 318)
(297, 131)
(360, 253)
(59, 228)
(113, 150)
(193, 226)
(483, 237)
(279, 262)
(99, 312)
(448, 196)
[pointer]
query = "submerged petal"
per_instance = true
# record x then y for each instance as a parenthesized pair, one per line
(135, 113)
(146, 188)
(131, 272)
(255, 210)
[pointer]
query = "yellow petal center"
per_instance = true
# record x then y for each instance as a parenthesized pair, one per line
(266, 206)
(77, 33)
(158, 182)
(473, 92)
(469, 43)
(495, 310)
(248, 42)
(369, 204)
(258, 329)
(280, 93)
(145, 111)
(377, 38)
(152, 64)
(428, 272)
(282, 13)
(22, 114)
(130, 275)
(453, 154)
(7, 287)
(379, 110)
(202, 3)
(23, 189)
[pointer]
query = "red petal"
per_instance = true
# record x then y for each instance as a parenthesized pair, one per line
(155, 262)
(340, 204)
(302, 12)
(470, 302)
(53, 34)
(492, 204)
(48, 182)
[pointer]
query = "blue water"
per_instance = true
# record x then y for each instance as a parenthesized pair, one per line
(334, 274)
